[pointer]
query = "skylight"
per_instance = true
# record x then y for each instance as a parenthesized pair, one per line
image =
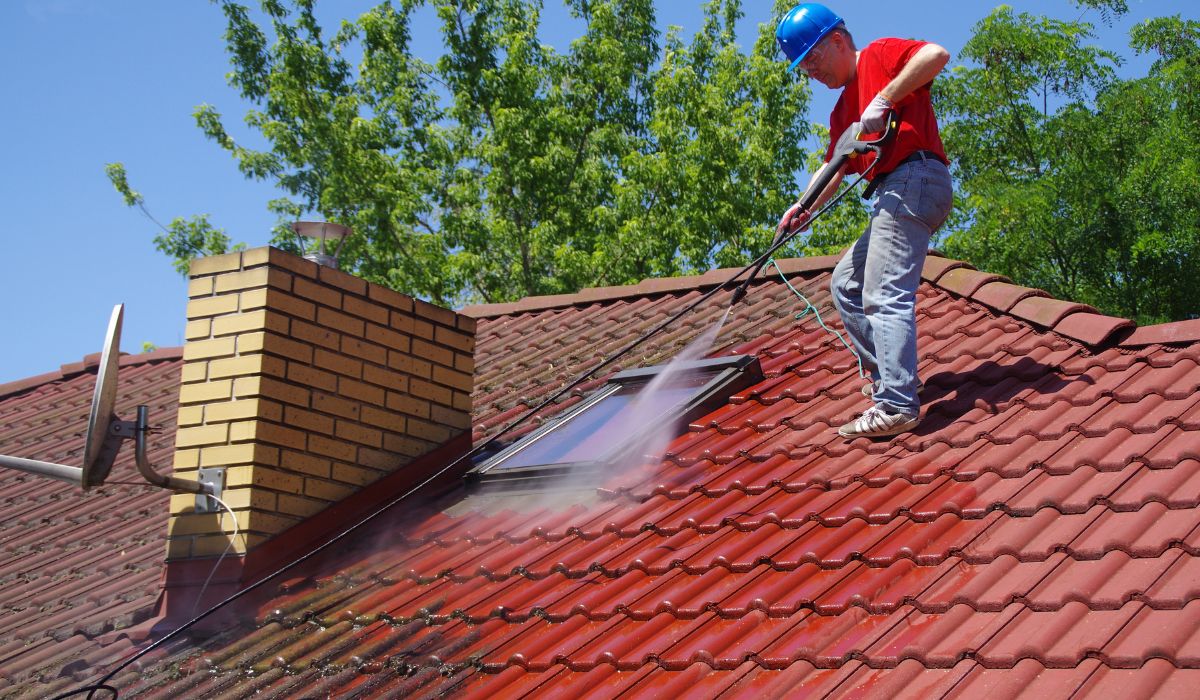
(618, 419)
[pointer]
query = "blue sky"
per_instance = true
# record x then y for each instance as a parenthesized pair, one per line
(89, 82)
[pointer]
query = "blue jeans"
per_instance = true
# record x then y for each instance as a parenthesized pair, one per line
(874, 285)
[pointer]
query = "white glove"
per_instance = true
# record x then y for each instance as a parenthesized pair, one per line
(874, 117)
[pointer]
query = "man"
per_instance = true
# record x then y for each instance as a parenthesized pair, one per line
(874, 285)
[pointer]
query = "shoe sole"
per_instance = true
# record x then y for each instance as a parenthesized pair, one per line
(890, 432)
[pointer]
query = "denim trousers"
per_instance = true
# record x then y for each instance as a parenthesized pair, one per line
(874, 286)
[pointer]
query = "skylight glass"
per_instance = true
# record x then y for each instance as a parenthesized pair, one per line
(617, 418)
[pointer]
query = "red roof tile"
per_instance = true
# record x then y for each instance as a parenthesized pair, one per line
(1038, 533)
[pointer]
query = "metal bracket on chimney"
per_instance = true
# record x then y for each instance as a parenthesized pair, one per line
(214, 479)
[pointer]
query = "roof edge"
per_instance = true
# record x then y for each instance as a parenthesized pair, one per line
(648, 286)
(87, 364)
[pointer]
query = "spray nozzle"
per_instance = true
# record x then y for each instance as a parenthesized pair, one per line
(738, 295)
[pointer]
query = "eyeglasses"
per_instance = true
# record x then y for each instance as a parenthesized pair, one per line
(815, 54)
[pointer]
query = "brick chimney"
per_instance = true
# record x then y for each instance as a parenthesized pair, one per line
(306, 385)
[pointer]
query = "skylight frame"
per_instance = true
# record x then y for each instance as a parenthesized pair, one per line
(730, 375)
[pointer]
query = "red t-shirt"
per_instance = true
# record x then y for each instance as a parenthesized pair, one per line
(878, 63)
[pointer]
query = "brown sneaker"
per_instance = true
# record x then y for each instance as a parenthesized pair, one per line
(876, 422)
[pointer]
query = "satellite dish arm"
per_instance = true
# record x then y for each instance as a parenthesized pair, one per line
(143, 464)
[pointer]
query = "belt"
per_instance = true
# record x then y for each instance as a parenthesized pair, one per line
(914, 156)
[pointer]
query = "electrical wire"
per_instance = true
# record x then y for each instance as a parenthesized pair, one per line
(757, 263)
(237, 532)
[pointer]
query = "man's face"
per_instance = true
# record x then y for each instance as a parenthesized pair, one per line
(821, 62)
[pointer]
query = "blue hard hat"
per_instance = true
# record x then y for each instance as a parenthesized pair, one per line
(802, 27)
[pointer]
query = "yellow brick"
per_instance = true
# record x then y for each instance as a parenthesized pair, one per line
(249, 279)
(290, 305)
(388, 338)
(214, 264)
(338, 363)
(402, 323)
(279, 435)
(243, 409)
(366, 393)
(335, 449)
(242, 499)
(363, 308)
(336, 278)
(385, 377)
(260, 319)
(332, 404)
(462, 402)
(179, 548)
(183, 503)
(291, 262)
(320, 294)
(252, 299)
(206, 349)
(464, 363)
(194, 524)
(239, 476)
(429, 431)
(243, 430)
(198, 329)
(186, 459)
(311, 377)
(433, 392)
(216, 545)
(205, 392)
(467, 325)
(423, 329)
(433, 353)
(315, 335)
(274, 344)
(445, 317)
(256, 256)
(380, 460)
(387, 420)
(459, 341)
(389, 297)
(200, 287)
(364, 350)
(340, 322)
(360, 434)
(270, 388)
(300, 506)
(194, 372)
(212, 306)
(248, 365)
(354, 475)
(191, 415)
(405, 445)
(326, 490)
(410, 364)
(408, 404)
(308, 420)
(449, 377)
(275, 479)
(306, 463)
(272, 523)
(449, 417)
(202, 435)
(244, 453)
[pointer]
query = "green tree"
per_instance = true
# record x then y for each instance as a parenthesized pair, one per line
(1070, 179)
(508, 168)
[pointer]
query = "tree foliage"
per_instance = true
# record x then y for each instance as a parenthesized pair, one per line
(1071, 179)
(508, 168)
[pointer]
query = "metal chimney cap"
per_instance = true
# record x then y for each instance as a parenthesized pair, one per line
(321, 230)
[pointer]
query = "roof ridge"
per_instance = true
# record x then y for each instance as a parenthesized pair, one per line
(89, 363)
(1074, 320)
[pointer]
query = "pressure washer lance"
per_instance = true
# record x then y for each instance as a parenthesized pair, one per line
(849, 146)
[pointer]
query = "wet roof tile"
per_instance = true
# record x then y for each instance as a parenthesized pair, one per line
(1038, 533)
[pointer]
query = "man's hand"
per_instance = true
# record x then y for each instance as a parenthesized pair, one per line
(795, 219)
(874, 117)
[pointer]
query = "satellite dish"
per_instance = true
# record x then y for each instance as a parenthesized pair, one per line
(100, 447)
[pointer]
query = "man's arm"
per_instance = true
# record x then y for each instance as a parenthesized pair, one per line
(923, 67)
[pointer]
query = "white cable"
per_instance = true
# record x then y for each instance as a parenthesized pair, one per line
(236, 533)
